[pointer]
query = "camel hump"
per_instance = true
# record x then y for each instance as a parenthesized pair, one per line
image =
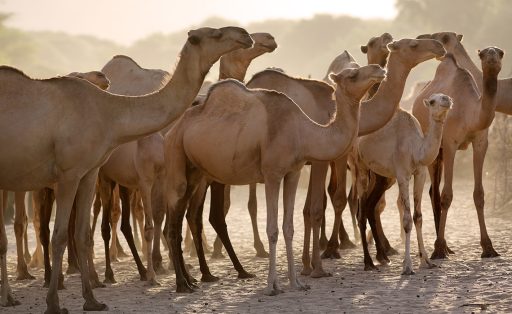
(6, 70)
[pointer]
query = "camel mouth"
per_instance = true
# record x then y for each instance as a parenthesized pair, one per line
(245, 43)
(269, 48)
(446, 105)
(379, 77)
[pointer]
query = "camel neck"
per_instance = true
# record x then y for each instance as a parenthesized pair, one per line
(330, 141)
(235, 64)
(377, 111)
(431, 141)
(488, 99)
(464, 61)
(143, 115)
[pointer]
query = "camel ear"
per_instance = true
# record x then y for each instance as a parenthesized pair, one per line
(500, 52)
(364, 49)
(459, 37)
(193, 38)
(480, 55)
(424, 36)
(334, 78)
(217, 34)
(427, 103)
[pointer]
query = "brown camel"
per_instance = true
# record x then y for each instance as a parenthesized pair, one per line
(404, 55)
(265, 154)
(73, 128)
(139, 165)
(467, 123)
(399, 151)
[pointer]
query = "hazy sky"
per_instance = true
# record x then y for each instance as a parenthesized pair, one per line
(128, 20)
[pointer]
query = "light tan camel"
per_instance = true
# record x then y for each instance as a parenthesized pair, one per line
(404, 55)
(139, 165)
(265, 137)
(341, 62)
(467, 123)
(73, 128)
(399, 151)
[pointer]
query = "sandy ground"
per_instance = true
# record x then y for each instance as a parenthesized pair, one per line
(464, 283)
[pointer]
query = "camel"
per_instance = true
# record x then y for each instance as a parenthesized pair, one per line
(265, 154)
(399, 151)
(404, 55)
(377, 52)
(74, 126)
(467, 123)
(139, 165)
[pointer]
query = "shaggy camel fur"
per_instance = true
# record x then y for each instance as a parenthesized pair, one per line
(273, 139)
(467, 123)
(399, 151)
(404, 55)
(73, 128)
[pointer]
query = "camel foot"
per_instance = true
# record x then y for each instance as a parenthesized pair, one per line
(390, 251)
(96, 283)
(408, 271)
(427, 263)
(346, 244)
(60, 285)
(383, 259)
(306, 271)
(95, 306)
(72, 269)
(298, 285)
(184, 288)
(441, 250)
(331, 252)
(244, 275)
(24, 275)
(152, 283)
(217, 255)
(369, 265)
(319, 273)
(272, 291)
(10, 301)
(56, 311)
(209, 278)
(261, 253)
(489, 252)
(143, 275)
(109, 279)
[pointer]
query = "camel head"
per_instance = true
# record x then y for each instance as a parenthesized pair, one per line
(376, 49)
(212, 43)
(491, 59)
(438, 106)
(356, 81)
(415, 51)
(450, 40)
(95, 77)
(264, 42)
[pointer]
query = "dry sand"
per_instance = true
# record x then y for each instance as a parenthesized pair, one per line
(464, 283)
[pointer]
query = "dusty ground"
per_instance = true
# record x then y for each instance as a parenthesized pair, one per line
(464, 283)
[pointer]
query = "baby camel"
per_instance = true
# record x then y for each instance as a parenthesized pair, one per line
(266, 138)
(401, 150)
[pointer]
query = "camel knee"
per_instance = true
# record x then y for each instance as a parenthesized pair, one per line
(272, 234)
(59, 239)
(148, 232)
(418, 219)
(479, 198)
(446, 200)
(407, 222)
(19, 227)
(288, 232)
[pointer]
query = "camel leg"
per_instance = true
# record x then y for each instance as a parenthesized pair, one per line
(195, 221)
(419, 183)
(84, 198)
(339, 201)
(26, 253)
(218, 222)
(6, 298)
(20, 227)
(331, 250)
(126, 229)
(373, 198)
(381, 204)
(306, 259)
(404, 203)
(323, 232)
(362, 213)
(37, 256)
(158, 218)
(291, 180)
(72, 254)
(479, 150)
(96, 212)
(145, 192)
(138, 219)
(436, 172)
(272, 197)
(353, 204)
(219, 195)
(316, 214)
(441, 249)
(252, 206)
(65, 195)
(106, 191)
(116, 214)
(114, 220)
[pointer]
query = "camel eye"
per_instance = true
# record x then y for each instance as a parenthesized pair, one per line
(432, 102)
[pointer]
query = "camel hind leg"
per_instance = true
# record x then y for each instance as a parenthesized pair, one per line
(404, 203)
(20, 228)
(252, 206)
(6, 298)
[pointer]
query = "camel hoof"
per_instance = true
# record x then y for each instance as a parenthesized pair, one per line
(109, 280)
(10, 301)
(408, 271)
(319, 273)
(152, 283)
(273, 292)
(449, 251)
(95, 306)
(245, 275)
(331, 252)
(306, 271)
(439, 254)
(370, 266)
(56, 311)
(347, 245)
(391, 251)
(95, 283)
(383, 259)
(25, 276)
(209, 278)
(184, 289)
(262, 253)
(217, 255)
(489, 252)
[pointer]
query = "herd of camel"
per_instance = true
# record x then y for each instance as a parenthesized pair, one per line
(150, 139)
